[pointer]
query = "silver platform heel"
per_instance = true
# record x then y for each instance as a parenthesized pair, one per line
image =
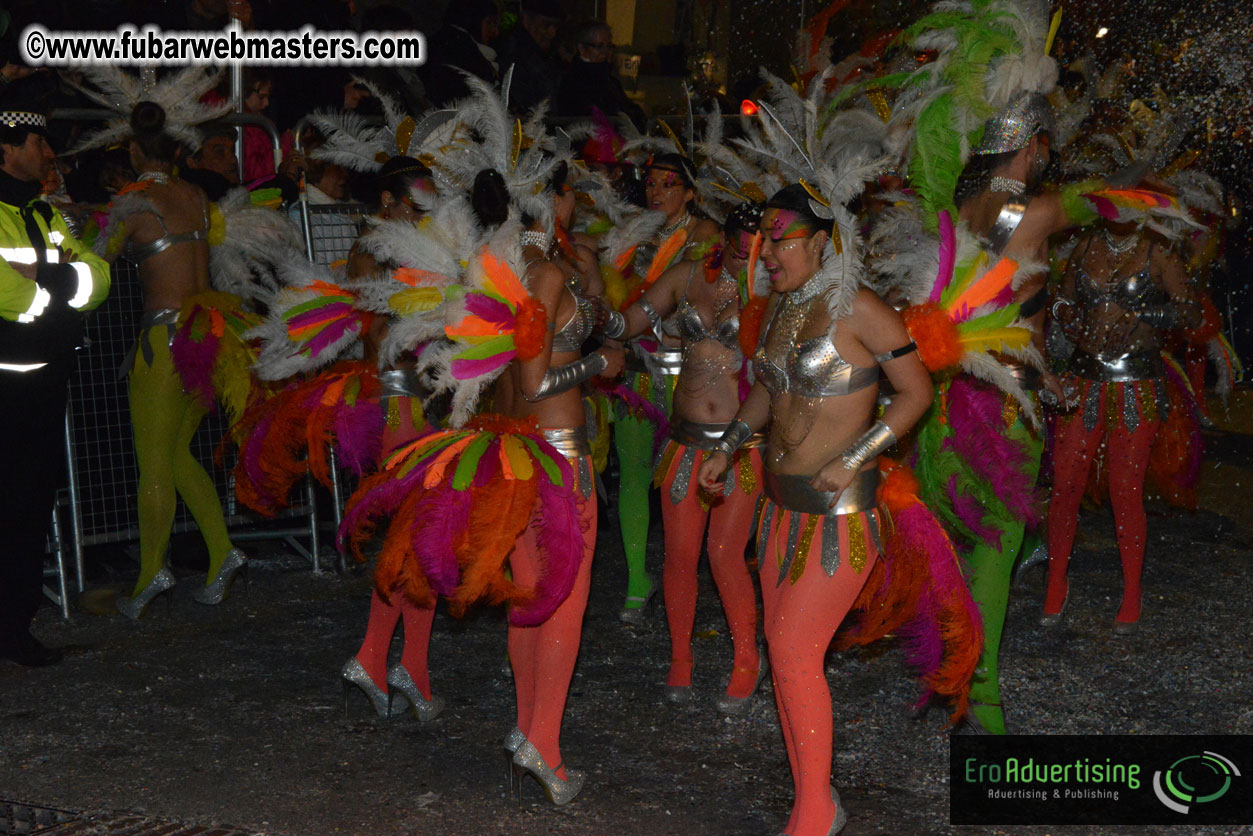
(133, 608)
(398, 679)
(213, 592)
(739, 705)
(559, 792)
(353, 673)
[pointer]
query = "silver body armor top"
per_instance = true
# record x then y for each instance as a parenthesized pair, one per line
(812, 368)
(691, 327)
(571, 336)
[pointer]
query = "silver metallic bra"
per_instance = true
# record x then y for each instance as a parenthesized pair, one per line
(401, 383)
(139, 253)
(571, 336)
(812, 368)
(1134, 292)
(691, 326)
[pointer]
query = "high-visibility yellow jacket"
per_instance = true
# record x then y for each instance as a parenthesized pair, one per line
(39, 318)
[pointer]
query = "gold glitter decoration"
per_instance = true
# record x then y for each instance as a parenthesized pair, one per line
(879, 100)
(663, 466)
(1148, 402)
(404, 133)
(393, 414)
(802, 548)
(748, 479)
(1010, 411)
(856, 543)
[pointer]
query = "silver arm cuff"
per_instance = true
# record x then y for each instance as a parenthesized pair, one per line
(654, 318)
(733, 438)
(874, 442)
(615, 325)
(1160, 316)
(563, 378)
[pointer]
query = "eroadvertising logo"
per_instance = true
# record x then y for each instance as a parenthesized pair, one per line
(1212, 773)
(1101, 779)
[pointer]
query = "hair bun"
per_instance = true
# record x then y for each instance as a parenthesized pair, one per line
(148, 119)
(490, 197)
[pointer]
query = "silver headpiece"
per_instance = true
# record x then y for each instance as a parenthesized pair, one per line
(1011, 129)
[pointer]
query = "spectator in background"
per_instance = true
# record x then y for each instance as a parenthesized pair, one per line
(214, 167)
(589, 82)
(529, 50)
(463, 43)
(258, 150)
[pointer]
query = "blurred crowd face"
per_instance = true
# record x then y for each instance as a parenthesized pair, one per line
(665, 192)
(597, 48)
(218, 154)
(259, 99)
(542, 28)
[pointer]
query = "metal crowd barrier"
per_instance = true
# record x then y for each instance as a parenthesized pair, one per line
(330, 230)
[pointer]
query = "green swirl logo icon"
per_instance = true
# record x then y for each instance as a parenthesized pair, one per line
(1194, 779)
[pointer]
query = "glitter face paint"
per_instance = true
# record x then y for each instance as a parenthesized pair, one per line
(784, 225)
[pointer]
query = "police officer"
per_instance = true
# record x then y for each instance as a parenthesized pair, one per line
(47, 278)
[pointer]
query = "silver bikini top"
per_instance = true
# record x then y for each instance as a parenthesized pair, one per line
(571, 336)
(692, 329)
(812, 368)
(139, 253)
(1133, 292)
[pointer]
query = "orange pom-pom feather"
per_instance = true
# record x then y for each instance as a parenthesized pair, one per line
(936, 335)
(530, 327)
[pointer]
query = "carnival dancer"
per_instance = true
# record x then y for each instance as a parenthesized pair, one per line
(200, 284)
(1121, 289)
(363, 408)
(706, 300)
(403, 420)
(47, 278)
(513, 486)
(825, 338)
(983, 176)
(670, 189)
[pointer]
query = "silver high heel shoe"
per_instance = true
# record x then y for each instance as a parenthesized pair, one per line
(354, 674)
(681, 694)
(559, 792)
(213, 592)
(398, 679)
(841, 816)
(133, 608)
(739, 705)
(634, 615)
(513, 742)
(1050, 620)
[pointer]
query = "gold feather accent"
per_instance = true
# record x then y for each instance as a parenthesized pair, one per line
(672, 136)
(517, 144)
(404, 134)
(814, 193)
(879, 100)
(753, 192)
(1180, 163)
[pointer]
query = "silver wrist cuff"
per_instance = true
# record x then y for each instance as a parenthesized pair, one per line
(615, 325)
(654, 318)
(559, 379)
(1160, 316)
(874, 442)
(734, 438)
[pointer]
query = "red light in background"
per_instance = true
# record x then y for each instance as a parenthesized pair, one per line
(748, 107)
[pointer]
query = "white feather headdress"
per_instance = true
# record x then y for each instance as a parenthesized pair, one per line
(178, 94)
